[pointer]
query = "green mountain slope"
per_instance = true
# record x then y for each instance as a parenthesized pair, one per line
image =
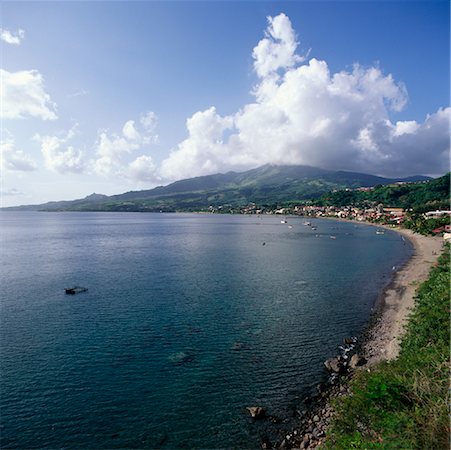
(420, 197)
(265, 185)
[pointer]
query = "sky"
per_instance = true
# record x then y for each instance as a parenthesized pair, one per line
(109, 97)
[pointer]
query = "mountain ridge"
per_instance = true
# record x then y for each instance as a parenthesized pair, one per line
(268, 184)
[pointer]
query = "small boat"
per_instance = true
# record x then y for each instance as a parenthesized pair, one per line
(333, 237)
(283, 221)
(378, 231)
(308, 224)
(314, 228)
(75, 290)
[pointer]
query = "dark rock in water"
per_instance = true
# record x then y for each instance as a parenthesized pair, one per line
(357, 361)
(239, 346)
(256, 412)
(349, 341)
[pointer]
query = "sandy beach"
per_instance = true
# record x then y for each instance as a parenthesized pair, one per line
(398, 298)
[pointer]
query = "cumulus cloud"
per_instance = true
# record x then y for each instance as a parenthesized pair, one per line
(58, 155)
(12, 38)
(112, 148)
(142, 169)
(13, 159)
(278, 49)
(23, 95)
(203, 151)
(304, 114)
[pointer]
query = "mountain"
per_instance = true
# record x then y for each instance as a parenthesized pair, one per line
(266, 185)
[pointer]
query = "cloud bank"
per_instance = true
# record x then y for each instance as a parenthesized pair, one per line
(304, 114)
(301, 113)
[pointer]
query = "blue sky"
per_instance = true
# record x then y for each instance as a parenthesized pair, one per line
(112, 96)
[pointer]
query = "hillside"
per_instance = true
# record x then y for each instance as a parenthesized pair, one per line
(266, 185)
(420, 197)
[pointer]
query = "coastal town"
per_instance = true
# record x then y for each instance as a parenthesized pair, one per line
(378, 214)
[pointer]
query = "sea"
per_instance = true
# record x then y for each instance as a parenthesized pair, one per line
(188, 319)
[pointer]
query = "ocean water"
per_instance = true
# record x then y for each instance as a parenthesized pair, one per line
(188, 320)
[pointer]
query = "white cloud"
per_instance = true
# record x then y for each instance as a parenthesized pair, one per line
(23, 95)
(142, 169)
(130, 132)
(278, 49)
(149, 121)
(112, 148)
(203, 151)
(13, 159)
(58, 155)
(12, 38)
(303, 114)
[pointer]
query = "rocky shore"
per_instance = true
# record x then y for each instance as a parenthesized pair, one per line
(379, 342)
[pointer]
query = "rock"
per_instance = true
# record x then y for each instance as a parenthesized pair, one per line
(256, 412)
(334, 365)
(283, 444)
(315, 419)
(357, 361)
(317, 433)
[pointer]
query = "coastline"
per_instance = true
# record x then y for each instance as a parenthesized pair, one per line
(386, 325)
(381, 339)
(397, 300)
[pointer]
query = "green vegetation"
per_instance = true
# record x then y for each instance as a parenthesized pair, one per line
(420, 197)
(268, 186)
(403, 404)
(419, 224)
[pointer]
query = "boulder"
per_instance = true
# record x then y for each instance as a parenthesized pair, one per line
(357, 361)
(256, 412)
(334, 365)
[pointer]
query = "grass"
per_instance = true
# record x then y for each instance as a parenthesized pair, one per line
(403, 404)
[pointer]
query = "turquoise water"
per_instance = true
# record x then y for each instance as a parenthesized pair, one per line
(188, 319)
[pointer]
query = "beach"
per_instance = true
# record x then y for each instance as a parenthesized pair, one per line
(397, 300)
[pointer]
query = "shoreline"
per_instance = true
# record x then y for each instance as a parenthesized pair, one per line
(382, 335)
(380, 340)
(386, 327)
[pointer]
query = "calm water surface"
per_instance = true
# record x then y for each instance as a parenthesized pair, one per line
(188, 320)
